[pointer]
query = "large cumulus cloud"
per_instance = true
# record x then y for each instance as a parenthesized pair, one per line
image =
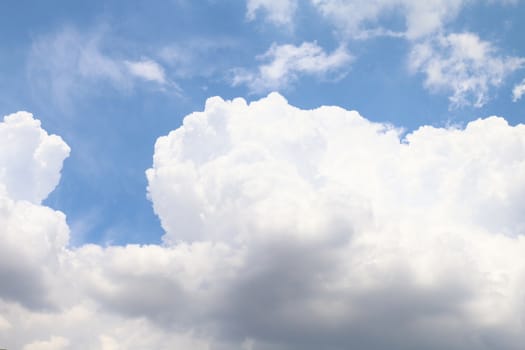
(352, 235)
(292, 229)
(31, 235)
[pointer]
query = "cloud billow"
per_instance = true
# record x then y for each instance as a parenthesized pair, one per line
(348, 235)
(295, 229)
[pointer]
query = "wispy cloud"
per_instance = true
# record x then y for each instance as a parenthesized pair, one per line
(362, 19)
(460, 62)
(464, 65)
(286, 63)
(68, 64)
(279, 12)
(147, 70)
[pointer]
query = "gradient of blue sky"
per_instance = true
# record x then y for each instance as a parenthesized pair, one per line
(112, 123)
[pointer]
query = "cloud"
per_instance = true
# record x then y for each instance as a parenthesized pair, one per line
(147, 70)
(518, 91)
(69, 64)
(347, 236)
(285, 63)
(279, 12)
(31, 234)
(30, 159)
(292, 229)
(54, 343)
(451, 62)
(464, 65)
(362, 19)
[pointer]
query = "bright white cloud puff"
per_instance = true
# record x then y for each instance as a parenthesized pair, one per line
(289, 229)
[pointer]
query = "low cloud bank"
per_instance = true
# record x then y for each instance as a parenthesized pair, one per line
(285, 229)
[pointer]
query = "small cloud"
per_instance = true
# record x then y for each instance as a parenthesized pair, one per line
(463, 64)
(147, 70)
(518, 91)
(285, 63)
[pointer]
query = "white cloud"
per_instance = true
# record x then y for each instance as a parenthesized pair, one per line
(518, 91)
(289, 229)
(31, 235)
(454, 62)
(30, 159)
(361, 19)
(279, 12)
(285, 63)
(147, 70)
(464, 65)
(339, 223)
(357, 18)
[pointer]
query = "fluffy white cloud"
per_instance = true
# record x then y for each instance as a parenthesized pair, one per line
(30, 159)
(278, 11)
(518, 91)
(285, 63)
(291, 229)
(464, 65)
(348, 236)
(31, 235)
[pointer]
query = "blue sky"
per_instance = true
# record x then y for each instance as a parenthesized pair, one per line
(262, 174)
(112, 126)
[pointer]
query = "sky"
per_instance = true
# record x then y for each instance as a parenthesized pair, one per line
(262, 174)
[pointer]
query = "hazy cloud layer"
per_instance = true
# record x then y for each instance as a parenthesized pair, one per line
(279, 12)
(288, 229)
